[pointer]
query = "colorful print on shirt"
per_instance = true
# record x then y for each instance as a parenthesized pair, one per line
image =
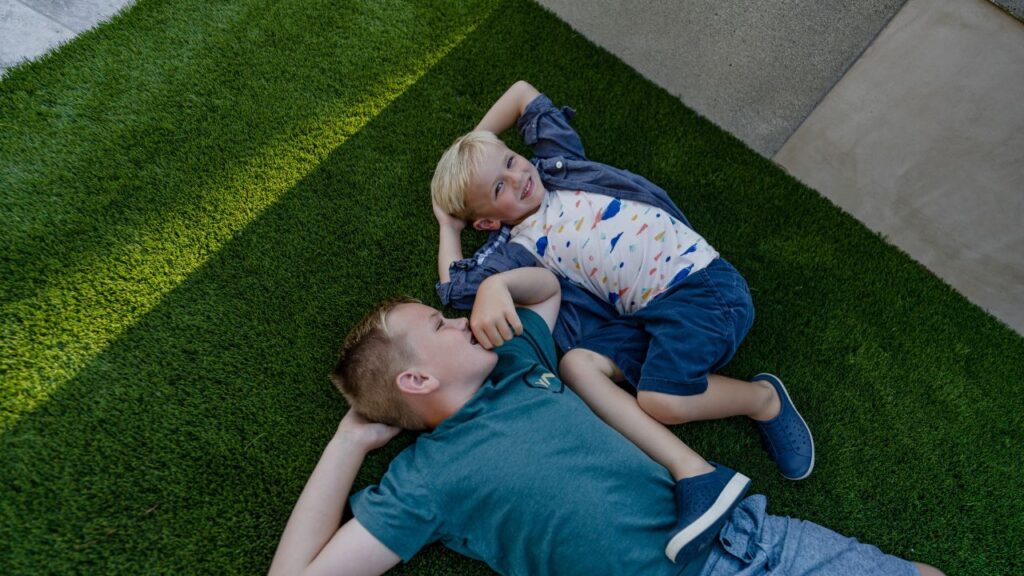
(625, 252)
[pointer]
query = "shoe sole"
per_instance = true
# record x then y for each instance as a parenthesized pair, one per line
(769, 377)
(726, 500)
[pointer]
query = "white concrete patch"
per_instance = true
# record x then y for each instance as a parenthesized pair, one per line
(923, 141)
(26, 34)
(78, 15)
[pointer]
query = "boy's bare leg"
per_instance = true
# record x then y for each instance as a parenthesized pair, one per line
(725, 397)
(928, 570)
(705, 495)
(591, 376)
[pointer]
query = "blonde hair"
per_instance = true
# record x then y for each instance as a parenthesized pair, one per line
(450, 185)
(369, 362)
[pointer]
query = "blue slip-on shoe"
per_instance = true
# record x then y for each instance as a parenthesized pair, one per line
(704, 504)
(786, 437)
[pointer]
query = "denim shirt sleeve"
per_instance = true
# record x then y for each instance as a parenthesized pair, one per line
(496, 255)
(581, 312)
(546, 130)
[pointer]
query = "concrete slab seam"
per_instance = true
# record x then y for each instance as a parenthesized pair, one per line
(845, 71)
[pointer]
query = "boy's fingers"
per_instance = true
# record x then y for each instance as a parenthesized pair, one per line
(491, 333)
(514, 322)
(504, 330)
(494, 333)
(484, 340)
(481, 336)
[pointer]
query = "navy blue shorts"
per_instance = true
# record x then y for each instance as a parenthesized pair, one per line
(686, 333)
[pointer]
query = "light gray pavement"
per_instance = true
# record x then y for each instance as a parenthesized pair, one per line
(921, 138)
(923, 141)
(756, 69)
(31, 28)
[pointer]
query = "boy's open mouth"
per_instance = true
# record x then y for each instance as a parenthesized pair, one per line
(528, 189)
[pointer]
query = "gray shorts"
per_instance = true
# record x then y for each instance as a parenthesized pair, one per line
(754, 542)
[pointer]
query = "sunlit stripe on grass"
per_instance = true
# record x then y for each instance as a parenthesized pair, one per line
(47, 338)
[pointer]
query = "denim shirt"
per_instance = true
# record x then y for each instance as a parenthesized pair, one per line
(562, 165)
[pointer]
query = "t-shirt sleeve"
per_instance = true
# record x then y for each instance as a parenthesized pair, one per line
(401, 511)
(546, 130)
(534, 345)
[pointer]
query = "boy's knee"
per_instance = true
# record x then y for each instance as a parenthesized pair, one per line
(666, 408)
(578, 363)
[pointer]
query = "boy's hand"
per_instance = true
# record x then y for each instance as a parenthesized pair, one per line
(446, 220)
(494, 320)
(362, 433)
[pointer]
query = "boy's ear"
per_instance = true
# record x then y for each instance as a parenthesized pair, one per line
(416, 382)
(489, 224)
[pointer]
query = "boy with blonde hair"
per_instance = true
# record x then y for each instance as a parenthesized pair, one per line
(646, 299)
(514, 470)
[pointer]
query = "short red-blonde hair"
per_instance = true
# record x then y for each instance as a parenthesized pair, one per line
(370, 360)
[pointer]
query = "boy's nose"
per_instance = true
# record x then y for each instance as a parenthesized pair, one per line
(517, 181)
(463, 323)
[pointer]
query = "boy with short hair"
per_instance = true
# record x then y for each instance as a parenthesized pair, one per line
(515, 471)
(645, 298)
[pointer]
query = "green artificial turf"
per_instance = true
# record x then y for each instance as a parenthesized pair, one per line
(198, 199)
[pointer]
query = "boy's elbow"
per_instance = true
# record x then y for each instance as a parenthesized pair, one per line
(547, 278)
(554, 295)
(526, 93)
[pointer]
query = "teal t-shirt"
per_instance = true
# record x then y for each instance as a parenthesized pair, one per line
(526, 478)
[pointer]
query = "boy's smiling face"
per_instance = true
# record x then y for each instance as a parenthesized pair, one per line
(505, 189)
(445, 347)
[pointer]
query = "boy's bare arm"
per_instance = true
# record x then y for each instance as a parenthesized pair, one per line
(449, 243)
(312, 542)
(494, 320)
(507, 109)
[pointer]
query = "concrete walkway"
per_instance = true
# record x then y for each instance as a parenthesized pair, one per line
(923, 141)
(906, 114)
(31, 28)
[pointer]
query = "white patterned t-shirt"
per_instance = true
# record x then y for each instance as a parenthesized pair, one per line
(623, 251)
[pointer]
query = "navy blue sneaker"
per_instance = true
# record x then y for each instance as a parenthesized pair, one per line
(704, 504)
(786, 437)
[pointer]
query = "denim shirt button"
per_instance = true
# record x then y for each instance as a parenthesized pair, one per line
(558, 164)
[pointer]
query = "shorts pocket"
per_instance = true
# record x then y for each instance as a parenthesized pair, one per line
(741, 536)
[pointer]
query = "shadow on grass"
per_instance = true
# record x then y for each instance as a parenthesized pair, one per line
(152, 111)
(183, 446)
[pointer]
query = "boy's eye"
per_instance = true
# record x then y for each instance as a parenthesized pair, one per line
(498, 188)
(509, 163)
